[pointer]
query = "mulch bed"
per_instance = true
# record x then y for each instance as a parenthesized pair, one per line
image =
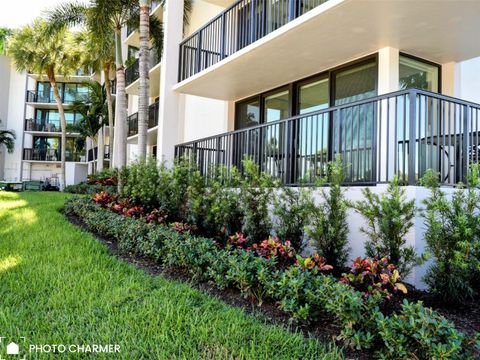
(465, 318)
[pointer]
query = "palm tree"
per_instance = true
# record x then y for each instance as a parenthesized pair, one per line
(7, 138)
(100, 55)
(94, 112)
(34, 49)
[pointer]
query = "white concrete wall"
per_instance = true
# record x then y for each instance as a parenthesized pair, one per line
(15, 121)
(4, 94)
(467, 80)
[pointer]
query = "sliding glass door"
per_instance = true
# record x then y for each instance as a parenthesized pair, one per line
(353, 126)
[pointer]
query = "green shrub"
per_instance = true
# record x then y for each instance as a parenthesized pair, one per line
(255, 195)
(420, 333)
(87, 189)
(223, 216)
(327, 225)
(389, 218)
(452, 236)
(290, 209)
(301, 290)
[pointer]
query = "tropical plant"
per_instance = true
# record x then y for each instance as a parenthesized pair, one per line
(453, 238)
(4, 34)
(99, 55)
(93, 110)
(290, 210)
(7, 138)
(35, 49)
(327, 224)
(389, 219)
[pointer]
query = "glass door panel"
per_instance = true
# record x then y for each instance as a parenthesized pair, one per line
(353, 126)
(312, 143)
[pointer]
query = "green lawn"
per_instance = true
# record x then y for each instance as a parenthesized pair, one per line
(58, 285)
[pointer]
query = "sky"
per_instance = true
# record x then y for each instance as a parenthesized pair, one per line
(15, 13)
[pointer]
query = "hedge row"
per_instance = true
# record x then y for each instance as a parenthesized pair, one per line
(304, 294)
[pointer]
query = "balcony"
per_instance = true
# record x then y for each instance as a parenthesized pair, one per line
(44, 126)
(51, 155)
(402, 133)
(94, 151)
(132, 73)
(244, 55)
(152, 119)
(240, 25)
(42, 97)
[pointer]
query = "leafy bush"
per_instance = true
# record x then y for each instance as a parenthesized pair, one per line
(453, 237)
(223, 215)
(255, 194)
(371, 276)
(273, 248)
(328, 226)
(86, 189)
(106, 177)
(420, 333)
(389, 218)
(290, 209)
(313, 261)
(301, 290)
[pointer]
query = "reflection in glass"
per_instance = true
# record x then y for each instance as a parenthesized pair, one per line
(418, 74)
(248, 114)
(276, 106)
(354, 125)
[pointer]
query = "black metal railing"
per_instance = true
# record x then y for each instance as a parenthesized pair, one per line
(36, 154)
(241, 24)
(46, 125)
(132, 73)
(399, 134)
(91, 152)
(47, 97)
(152, 119)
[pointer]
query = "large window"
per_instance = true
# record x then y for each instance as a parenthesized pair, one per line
(248, 114)
(276, 106)
(415, 73)
(49, 149)
(313, 96)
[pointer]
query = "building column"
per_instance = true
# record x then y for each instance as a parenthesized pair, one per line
(169, 127)
(388, 78)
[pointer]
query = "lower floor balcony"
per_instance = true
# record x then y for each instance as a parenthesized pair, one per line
(398, 134)
(152, 119)
(52, 155)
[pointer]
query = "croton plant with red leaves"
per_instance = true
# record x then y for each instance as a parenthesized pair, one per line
(103, 198)
(157, 216)
(183, 228)
(313, 261)
(374, 275)
(273, 247)
(238, 240)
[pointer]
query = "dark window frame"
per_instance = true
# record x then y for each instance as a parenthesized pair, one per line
(294, 87)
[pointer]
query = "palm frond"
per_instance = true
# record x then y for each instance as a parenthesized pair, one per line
(66, 15)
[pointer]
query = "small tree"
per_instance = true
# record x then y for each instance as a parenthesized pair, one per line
(453, 237)
(389, 218)
(290, 207)
(328, 226)
(255, 189)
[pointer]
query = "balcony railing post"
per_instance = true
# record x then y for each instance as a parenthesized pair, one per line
(198, 60)
(253, 20)
(219, 150)
(223, 35)
(292, 9)
(412, 141)
(465, 142)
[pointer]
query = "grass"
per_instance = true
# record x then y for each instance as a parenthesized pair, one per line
(59, 285)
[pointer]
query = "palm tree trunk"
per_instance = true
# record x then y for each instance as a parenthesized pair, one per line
(63, 126)
(120, 136)
(108, 88)
(144, 82)
(100, 149)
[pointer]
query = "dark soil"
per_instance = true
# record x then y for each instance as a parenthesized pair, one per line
(465, 318)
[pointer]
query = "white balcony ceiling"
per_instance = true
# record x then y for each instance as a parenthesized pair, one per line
(337, 32)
